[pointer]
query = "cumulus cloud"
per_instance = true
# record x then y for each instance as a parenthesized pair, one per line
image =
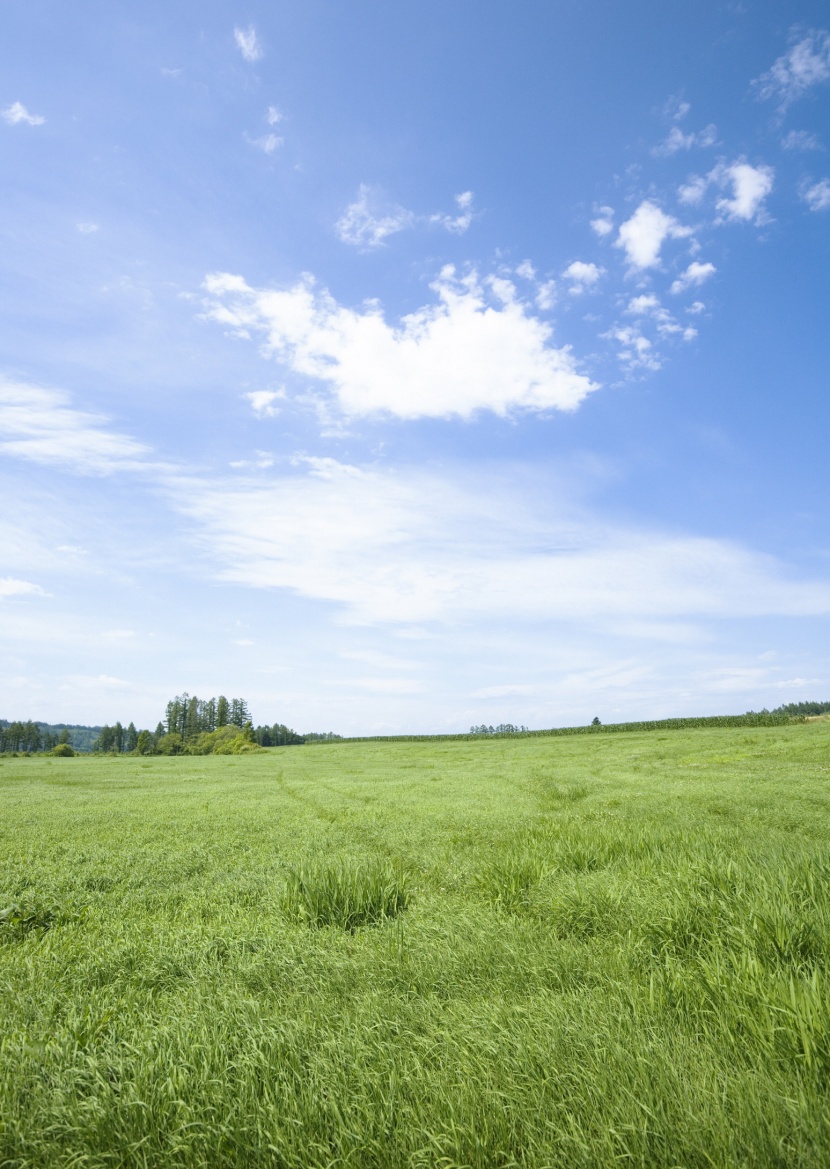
(10, 586)
(16, 115)
(273, 116)
(248, 43)
(750, 187)
(643, 235)
(676, 140)
(582, 276)
(806, 64)
(817, 196)
(406, 547)
(478, 347)
(42, 426)
(369, 220)
(695, 275)
(604, 223)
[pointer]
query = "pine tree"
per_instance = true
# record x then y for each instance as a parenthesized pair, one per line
(131, 738)
(222, 711)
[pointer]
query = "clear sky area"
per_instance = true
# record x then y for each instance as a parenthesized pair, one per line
(400, 367)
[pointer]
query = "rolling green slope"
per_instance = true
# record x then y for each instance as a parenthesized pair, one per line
(565, 951)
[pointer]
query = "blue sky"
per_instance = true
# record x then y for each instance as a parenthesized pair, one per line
(402, 367)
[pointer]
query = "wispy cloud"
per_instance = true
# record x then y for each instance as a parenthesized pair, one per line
(16, 115)
(42, 426)
(406, 547)
(248, 43)
(695, 275)
(676, 141)
(643, 235)
(371, 219)
(477, 347)
(460, 222)
(817, 196)
(806, 64)
(87, 228)
(267, 143)
(801, 140)
(10, 586)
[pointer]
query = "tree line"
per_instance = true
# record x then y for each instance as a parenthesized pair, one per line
(194, 725)
(501, 729)
(191, 725)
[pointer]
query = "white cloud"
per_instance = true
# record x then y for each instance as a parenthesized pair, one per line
(469, 351)
(693, 191)
(676, 109)
(41, 425)
(546, 295)
(268, 143)
(10, 586)
(750, 187)
(87, 228)
(16, 114)
(801, 140)
(604, 222)
(695, 275)
(459, 223)
(407, 547)
(696, 308)
(368, 221)
(817, 196)
(262, 461)
(636, 350)
(677, 140)
(793, 74)
(262, 402)
(526, 270)
(273, 116)
(582, 276)
(247, 42)
(644, 234)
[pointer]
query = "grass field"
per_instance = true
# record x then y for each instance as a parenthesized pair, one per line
(583, 951)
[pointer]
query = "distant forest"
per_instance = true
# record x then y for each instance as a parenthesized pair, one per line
(191, 725)
(197, 726)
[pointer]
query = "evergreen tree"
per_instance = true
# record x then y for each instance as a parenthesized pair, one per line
(65, 737)
(221, 711)
(131, 738)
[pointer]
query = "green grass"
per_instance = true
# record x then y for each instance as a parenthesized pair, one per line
(569, 951)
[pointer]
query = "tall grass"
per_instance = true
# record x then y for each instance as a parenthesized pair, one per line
(614, 951)
(344, 894)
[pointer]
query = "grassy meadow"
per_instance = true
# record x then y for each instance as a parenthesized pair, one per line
(575, 951)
